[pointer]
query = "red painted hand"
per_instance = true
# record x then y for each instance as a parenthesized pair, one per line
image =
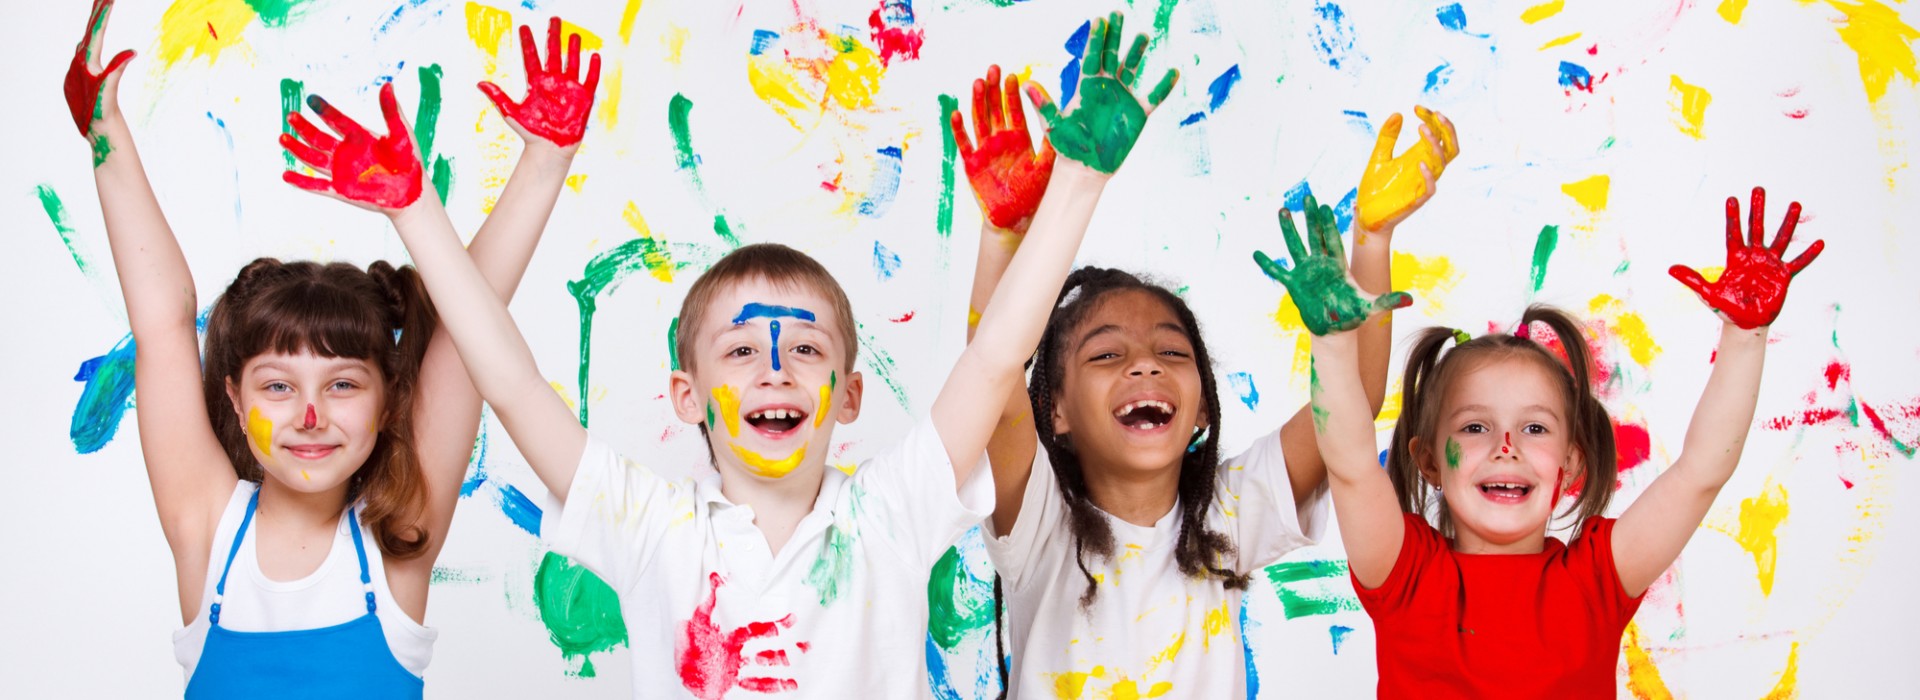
(379, 172)
(85, 78)
(557, 101)
(1754, 285)
(1008, 177)
(710, 659)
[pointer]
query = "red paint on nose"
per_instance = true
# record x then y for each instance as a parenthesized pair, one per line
(311, 418)
(1504, 449)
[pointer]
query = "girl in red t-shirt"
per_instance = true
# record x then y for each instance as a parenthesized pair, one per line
(1491, 436)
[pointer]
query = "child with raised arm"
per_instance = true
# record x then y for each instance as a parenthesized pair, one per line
(1493, 434)
(306, 476)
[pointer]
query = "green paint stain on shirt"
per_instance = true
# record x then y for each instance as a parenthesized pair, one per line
(1542, 252)
(1453, 454)
(949, 152)
(834, 566)
(960, 604)
(581, 612)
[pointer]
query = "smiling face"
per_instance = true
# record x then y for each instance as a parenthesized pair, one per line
(1502, 455)
(769, 378)
(311, 421)
(1130, 395)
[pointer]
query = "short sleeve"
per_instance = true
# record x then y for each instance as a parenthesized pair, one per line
(1254, 496)
(1419, 544)
(911, 489)
(616, 515)
(1015, 553)
(1591, 557)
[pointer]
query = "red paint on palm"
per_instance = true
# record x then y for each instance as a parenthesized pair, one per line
(381, 171)
(1753, 287)
(1007, 176)
(83, 83)
(710, 659)
(557, 101)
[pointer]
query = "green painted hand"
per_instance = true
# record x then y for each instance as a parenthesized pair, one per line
(1100, 126)
(1328, 299)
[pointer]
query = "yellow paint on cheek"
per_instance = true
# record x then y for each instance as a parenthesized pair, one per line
(201, 28)
(1760, 516)
(770, 467)
(261, 430)
(1883, 43)
(1689, 106)
(729, 407)
(1590, 193)
(826, 405)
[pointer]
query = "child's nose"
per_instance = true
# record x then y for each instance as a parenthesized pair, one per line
(312, 419)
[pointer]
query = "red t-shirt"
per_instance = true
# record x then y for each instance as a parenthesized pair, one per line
(1452, 625)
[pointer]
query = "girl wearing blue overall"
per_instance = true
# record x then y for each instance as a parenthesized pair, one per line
(306, 474)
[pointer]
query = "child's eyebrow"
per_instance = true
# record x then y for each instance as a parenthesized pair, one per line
(755, 310)
(1113, 328)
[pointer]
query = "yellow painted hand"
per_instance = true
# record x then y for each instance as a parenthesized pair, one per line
(1393, 187)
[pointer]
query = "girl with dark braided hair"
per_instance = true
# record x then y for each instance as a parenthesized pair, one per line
(1125, 544)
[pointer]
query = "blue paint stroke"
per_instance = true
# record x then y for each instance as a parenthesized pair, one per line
(1573, 76)
(1296, 198)
(762, 40)
(1247, 625)
(1455, 19)
(886, 183)
(477, 467)
(756, 310)
(1438, 77)
(1339, 633)
(519, 509)
(392, 19)
(775, 327)
(105, 399)
(937, 672)
(1343, 212)
(885, 262)
(1070, 75)
(1358, 120)
(1383, 459)
(1333, 38)
(1243, 385)
(896, 14)
(1222, 87)
(221, 125)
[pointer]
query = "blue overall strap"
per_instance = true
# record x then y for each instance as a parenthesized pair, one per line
(366, 582)
(220, 590)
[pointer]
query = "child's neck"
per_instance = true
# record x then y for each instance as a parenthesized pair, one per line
(300, 511)
(1466, 541)
(1140, 498)
(294, 530)
(778, 505)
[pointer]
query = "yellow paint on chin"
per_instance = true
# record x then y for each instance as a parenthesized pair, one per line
(729, 408)
(261, 430)
(770, 468)
(1883, 43)
(201, 28)
(304, 475)
(1760, 517)
(1689, 106)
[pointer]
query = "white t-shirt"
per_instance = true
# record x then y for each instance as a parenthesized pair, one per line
(329, 596)
(1152, 631)
(841, 612)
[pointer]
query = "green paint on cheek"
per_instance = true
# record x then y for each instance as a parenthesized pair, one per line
(1542, 252)
(581, 612)
(949, 151)
(1309, 588)
(673, 350)
(100, 149)
(960, 604)
(1453, 454)
(292, 96)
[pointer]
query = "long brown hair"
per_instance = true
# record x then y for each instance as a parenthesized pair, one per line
(380, 314)
(1430, 373)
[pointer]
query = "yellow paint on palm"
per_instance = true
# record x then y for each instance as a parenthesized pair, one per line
(1643, 678)
(261, 430)
(201, 28)
(729, 408)
(774, 468)
(1760, 517)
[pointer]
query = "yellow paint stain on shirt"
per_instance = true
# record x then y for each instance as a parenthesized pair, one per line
(1789, 685)
(261, 430)
(1216, 622)
(1562, 41)
(729, 408)
(674, 40)
(1542, 11)
(1883, 43)
(773, 468)
(1590, 193)
(1069, 685)
(486, 26)
(200, 28)
(1628, 326)
(626, 20)
(1730, 10)
(1689, 106)
(1760, 518)
(1643, 678)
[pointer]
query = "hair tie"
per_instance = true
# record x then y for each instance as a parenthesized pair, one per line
(1523, 332)
(1461, 337)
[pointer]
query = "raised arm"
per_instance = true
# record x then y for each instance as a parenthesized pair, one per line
(1008, 178)
(1095, 134)
(1333, 307)
(188, 468)
(1392, 189)
(1748, 296)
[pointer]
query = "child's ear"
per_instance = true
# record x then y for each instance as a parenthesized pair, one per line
(1060, 426)
(233, 399)
(688, 404)
(849, 408)
(1429, 467)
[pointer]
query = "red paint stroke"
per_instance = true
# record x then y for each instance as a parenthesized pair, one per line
(1006, 174)
(890, 26)
(903, 319)
(1754, 285)
(1789, 92)
(211, 31)
(833, 186)
(804, 646)
(558, 101)
(1904, 415)
(710, 660)
(82, 85)
(1844, 481)
(1632, 445)
(311, 418)
(1593, 50)
(1796, 113)
(381, 171)
(1837, 371)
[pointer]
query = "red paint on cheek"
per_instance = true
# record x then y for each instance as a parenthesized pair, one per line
(311, 418)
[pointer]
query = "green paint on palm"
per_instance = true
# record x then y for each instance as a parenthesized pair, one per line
(1106, 118)
(679, 112)
(581, 612)
(101, 149)
(1453, 454)
(1328, 300)
(1542, 252)
(426, 123)
(960, 604)
(1308, 588)
(292, 98)
(604, 273)
(276, 13)
(949, 152)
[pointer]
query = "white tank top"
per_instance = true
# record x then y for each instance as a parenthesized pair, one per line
(329, 596)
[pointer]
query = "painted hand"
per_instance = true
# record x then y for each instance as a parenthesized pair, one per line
(1007, 176)
(86, 98)
(376, 172)
(1100, 126)
(1749, 293)
(1329, 301)
(557, 101)
(1394, 187)
(710, 659)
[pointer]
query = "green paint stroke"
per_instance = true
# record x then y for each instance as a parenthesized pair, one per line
(1320, 415)
(101, 149)
(1163, 21)
(1542, 252)
(1308, 588)
(1453, 454)
(581, 612)
(673, 354)
(960, 603)
(443, 575)
(292, 96)
(276, 13)
(678, 111)
(882, 365)
(57, 212)
(949, 152)
(602, 274)
(426, 123)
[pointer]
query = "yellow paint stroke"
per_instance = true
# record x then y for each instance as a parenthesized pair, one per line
(769, 467)
(1712, 273)
(658, 261)
(1760, 517)
(1562, 41)
(846, 468)
(1883, 43)
(674, 40)
(1628, 326)
(626, 20)
(854, 74)
(1689, 106)
(729, 408)
(261, 430)
(826, 405)
(486, 26)
(1730, 10)
(589, 41)
(1073, 684)
(1590, 193)
(200, 28)
(303, 475)
(1429, 279)
(776, 83)
(973, 317)
(566, 396)
(576, 181)
(1542, 11)
(1287, 318)
(610, 107)
(1390, 407)
(1789, 685)
(1643, 678)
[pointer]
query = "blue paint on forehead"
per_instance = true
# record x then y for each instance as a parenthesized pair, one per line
(757, 310)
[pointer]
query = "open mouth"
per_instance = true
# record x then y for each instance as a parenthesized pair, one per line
(776, 422)
(1506, 491)
(1144, 415)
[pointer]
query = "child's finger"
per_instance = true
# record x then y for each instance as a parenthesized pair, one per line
(1733, 224)
(1096, 43)
(529, 56)
(390, 108)
(990, 97)
(1270, 267)
(110, 79)
(1110, 49)
(1384, 143)
(310, 133)
(1322, 221)
(1691, 277)
(1161, 91)
(1757, 218)
(553, 45)
(1806, 258)
(341, 123)
(1442, 131)
(307, 154)
(1288, 233)
(1016, 115)
(1785, 236)
(960, 139)
(1037, 94)
(1390, 301)
(307, 182)
(1130, 71)
(573, 58)
(593, 74)
(501, 101)
(980, 108)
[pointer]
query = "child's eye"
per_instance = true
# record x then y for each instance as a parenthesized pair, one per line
(1176, 353)
(1103, 356)
(344, 385)
(741, 351)
(277, 387)
(805, 350)
(1473, 428)
(1534, 429)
